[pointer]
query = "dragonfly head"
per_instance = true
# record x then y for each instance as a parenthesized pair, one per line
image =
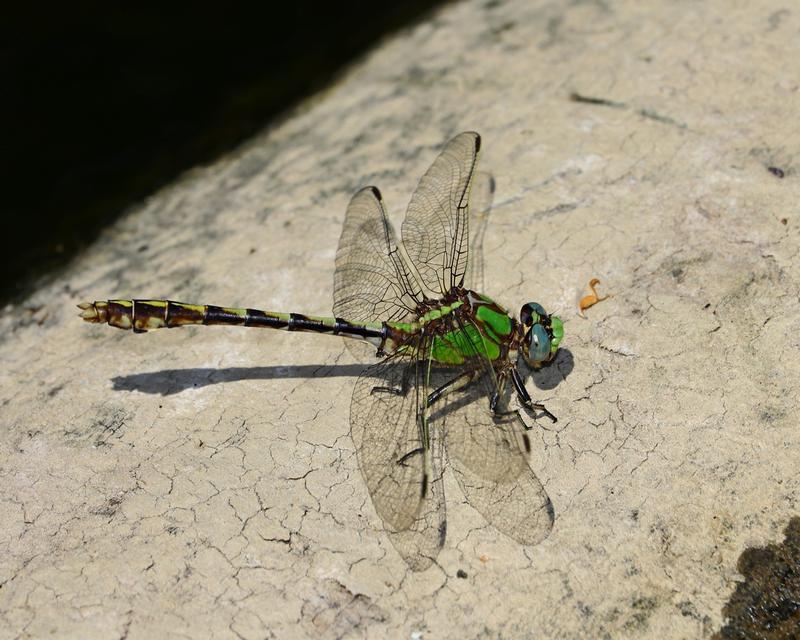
(542, 334)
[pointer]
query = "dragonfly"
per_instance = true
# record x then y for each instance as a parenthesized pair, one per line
(442, 393)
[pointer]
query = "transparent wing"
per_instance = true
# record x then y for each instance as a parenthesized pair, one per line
(420, 543)
(489, 456)
(436, 227)
(371, 280)
(481, 196)
(400, 463)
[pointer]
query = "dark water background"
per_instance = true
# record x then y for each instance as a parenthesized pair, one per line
(104, 103)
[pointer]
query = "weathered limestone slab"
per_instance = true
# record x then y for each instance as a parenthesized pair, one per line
(201, 482)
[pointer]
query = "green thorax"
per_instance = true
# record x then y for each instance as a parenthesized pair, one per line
(484, 328)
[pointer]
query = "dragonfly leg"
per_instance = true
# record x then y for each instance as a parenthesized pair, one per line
(493, 405)
(405, 457)
(397, 391)
(525, 398)
(459, 382)
(493, 402)
(413, 452)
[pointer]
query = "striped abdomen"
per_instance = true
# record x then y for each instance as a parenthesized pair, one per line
(143, 315)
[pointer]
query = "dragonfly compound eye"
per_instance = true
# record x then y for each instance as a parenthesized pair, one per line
(531, 313)
(543, 333)
(539, 346)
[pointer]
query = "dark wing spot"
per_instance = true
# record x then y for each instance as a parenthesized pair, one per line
(551, 514)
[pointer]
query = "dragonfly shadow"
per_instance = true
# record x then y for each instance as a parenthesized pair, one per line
(171, 381)
(555, 372)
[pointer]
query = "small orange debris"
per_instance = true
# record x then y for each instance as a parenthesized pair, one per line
(592, 299)
(484, 558)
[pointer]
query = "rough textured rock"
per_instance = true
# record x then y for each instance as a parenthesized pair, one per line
(201, 482)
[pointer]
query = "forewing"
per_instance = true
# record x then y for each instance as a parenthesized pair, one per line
(481, 196)
(436, 227)
(400, 466)
(371, 281)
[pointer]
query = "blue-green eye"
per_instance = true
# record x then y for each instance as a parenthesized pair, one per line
(535, 306)
(531, 312)
(539, 349)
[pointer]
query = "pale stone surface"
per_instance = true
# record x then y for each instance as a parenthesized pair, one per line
(201, 482)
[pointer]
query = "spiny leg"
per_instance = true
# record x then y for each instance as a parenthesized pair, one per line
(525, 398)
(459, 382)
(495, 399)
(497, 394)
